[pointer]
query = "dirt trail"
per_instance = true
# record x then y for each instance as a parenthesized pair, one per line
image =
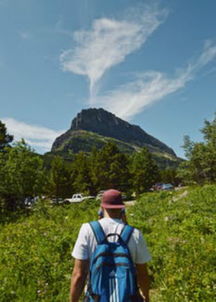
(174, 199)
(182, 195)
(130, 203)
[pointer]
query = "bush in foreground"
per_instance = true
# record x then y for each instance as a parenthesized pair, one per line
(35, 253)
(180, 231)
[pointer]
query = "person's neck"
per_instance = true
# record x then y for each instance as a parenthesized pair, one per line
(114, 216)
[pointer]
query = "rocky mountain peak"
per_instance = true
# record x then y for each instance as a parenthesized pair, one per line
(107, 124)
(91, 119)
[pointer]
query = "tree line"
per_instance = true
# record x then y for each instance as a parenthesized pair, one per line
(200, 166)
(23, 173)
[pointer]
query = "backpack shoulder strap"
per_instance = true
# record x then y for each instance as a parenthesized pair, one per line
(126, 233)
(98, 231)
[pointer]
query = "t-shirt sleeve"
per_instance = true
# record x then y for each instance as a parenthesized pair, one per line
(142, 253)
(80, 250)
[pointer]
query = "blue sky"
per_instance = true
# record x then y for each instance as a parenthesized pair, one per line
(152, 63)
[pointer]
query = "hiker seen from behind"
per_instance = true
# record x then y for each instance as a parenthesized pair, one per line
(111, 256)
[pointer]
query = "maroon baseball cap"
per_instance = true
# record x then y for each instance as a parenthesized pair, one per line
(112, 199)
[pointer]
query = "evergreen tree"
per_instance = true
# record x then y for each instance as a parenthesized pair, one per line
(144, 171)
(201, 164)
(5, 138)
(81, 174)
(94, 170)
(169, 176)
(60, 182)
(112, 168)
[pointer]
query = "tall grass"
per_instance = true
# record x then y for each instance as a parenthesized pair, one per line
(180, 231)
(35, 253)
(35, 250)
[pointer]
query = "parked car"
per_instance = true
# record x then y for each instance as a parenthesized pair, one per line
(30, 201)
(167, 187)
(156, 187)
(78, 198)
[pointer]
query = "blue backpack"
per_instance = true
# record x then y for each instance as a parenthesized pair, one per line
(112, 276)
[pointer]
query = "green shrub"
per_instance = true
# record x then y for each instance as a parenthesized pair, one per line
(35, 252)
(180, 231)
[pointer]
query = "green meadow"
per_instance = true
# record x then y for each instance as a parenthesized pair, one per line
(35, 248)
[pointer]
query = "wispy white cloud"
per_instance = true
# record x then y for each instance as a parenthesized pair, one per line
(130, 99)
(208, 54)
(109, 42)
(38, 137)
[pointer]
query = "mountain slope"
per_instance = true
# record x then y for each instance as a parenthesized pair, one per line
(107, 124)
(95, 127)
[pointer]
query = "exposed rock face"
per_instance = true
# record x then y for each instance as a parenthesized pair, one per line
(106, 124)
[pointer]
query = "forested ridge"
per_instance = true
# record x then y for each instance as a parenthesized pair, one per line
(24, 173)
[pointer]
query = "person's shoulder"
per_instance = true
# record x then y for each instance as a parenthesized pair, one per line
(136, 233)
(86, 225)
(85, 228)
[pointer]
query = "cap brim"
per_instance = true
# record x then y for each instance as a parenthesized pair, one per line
(110, 206)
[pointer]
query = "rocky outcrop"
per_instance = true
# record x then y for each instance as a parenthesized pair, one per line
(105, 124)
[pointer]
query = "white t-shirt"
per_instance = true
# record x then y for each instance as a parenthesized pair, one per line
(86, 242)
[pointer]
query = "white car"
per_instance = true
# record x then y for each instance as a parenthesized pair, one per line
(78, 198)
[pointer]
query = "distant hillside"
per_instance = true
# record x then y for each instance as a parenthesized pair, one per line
(95, 127)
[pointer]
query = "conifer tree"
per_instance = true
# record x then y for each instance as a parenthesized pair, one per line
(94, 170)
(60, 182)
(144, 171)
(201, 164)
(5, 138)
(169, 175)
(81, 175)
(112, 168)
